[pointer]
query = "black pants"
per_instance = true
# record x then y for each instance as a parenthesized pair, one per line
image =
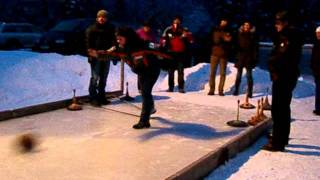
(178, 64)
(249, 80)
(147, 80)
(280, 111)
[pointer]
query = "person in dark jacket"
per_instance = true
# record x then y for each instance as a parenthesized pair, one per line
(175, 39)
(247, 47)
(315, 66)
(221, 38)
(284, 71)
(99, 36)
(144, 62)
(147, 34)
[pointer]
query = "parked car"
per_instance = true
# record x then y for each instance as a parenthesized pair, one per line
(19, 35)
(67, 37)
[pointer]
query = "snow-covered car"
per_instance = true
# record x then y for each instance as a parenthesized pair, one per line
(19, 35)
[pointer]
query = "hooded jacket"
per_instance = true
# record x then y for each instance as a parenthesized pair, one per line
(247, 48)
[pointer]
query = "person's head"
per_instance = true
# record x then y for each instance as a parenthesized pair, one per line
(246, 26)
(318, 32)
(102, 16)
(127, 38)
(146, 27)
(177, 20)
(282, 21)
(223, 22)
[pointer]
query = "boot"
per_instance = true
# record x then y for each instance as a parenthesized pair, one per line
(104, 101)
(181, 90)
(141, 125)
(211, 92)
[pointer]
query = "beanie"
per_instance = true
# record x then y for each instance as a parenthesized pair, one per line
(318, 29)
(102, 13)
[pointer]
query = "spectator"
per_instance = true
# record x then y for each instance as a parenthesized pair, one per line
(315, 66)
(99, 36)
(175, 39)
(247, 47)
(284, 71)
(221, 39)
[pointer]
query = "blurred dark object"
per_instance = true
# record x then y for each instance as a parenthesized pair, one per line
(19, 35)
(67, 37)
(26, 142)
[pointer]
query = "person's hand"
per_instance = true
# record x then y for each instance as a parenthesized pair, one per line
(92, 53)
(113, 48)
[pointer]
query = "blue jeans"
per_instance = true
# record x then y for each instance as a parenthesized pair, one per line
(98, 80)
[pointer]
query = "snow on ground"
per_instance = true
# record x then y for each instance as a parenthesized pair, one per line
(29, 78)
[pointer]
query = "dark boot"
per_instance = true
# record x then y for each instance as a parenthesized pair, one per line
(141, 125)
(211, 92)
(95, 103)
(181, 91)
(272, 148)
(104, 101)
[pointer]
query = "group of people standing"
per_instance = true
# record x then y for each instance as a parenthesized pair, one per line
(137, 49)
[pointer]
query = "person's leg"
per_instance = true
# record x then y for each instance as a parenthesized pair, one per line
(93, 85)
(181, 75)
(104, 71)
(281, 113)
(223, 68)
(249, 81)
(171, 79)
(147, 83)
(213, 70)
(238, 81)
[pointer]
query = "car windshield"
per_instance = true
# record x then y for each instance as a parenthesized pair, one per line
(66, 26)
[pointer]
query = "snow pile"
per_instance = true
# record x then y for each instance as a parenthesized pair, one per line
(29, 78)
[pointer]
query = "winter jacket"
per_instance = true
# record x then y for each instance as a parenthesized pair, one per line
(247, 48)
(146, 36)
(221, 40)
(175, 39)
(100, 37)
(315, 59)
(285, 57)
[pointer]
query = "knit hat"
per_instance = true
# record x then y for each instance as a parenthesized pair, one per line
(102, 13)
(318, 29)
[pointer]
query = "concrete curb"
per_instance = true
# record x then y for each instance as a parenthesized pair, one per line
(202, 167)
(25, 111)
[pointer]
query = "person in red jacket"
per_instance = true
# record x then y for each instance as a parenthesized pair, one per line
(175, 40)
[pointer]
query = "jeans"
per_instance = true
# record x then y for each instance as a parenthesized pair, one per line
(98, 80)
